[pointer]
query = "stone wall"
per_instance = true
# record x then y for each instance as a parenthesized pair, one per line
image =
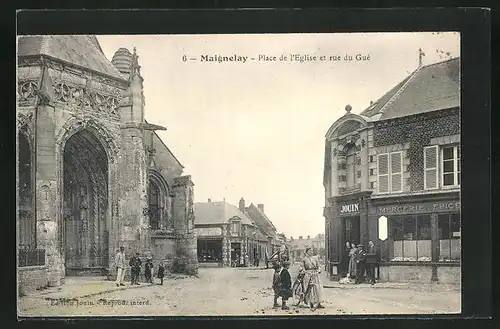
(32, 278)
(449, 274)
(419, 273)
(186, 260)
(418, 130)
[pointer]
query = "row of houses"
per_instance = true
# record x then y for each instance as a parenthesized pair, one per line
(298, 246)
(392, 175)
(234, 236)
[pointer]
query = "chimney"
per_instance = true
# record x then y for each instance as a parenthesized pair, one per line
(261, 207)
(371, 102)
(209, 200)
(242, 205)
(308, 237)
(291, 238)
(300, 237)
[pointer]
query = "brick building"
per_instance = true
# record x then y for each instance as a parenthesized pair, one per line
(226, 233)
(93, 174)
(393, 172)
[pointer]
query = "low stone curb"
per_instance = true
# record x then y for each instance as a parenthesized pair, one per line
(375, 286)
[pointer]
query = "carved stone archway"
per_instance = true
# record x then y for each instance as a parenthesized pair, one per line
(100, 143)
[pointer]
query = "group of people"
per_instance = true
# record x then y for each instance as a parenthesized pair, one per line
(359, 264)
(307, 287)
(135, 265)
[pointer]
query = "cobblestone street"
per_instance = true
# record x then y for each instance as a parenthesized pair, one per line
(231, 291)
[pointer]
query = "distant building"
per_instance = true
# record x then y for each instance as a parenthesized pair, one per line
(298, 246)
(393, 172)
(227, 233)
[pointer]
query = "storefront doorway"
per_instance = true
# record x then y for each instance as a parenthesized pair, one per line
(235, 254)
(351, 229)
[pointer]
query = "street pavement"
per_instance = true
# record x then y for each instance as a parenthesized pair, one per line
(231, 291)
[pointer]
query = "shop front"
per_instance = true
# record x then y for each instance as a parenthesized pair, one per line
(421, 237)
(210, 250)
(346, 220)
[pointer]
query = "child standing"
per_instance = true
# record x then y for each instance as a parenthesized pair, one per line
(161, 272)
(276, 283)
(286, 285)
(148, 272)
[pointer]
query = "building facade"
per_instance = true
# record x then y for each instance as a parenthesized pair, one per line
(93, 175)
(298, 246)
(392, 175)
(226, 234)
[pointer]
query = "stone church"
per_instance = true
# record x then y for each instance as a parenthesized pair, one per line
(93, 175)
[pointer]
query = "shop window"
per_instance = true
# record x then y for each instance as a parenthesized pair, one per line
(411, 238)
(449, 237)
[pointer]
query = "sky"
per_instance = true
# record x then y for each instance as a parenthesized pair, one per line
(257, 129)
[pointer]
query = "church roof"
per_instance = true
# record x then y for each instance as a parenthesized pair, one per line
(430, 88)
(79, 50)
(218, 213)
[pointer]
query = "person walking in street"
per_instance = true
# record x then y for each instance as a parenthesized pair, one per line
(312, 281)
(371, 261)
(135, 269)
(161, 272)
(360, 264)
(247, 262)
(120, 266)
(276, 283)
(148, 270)
(286, 285)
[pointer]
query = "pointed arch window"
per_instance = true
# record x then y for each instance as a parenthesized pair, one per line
(159, 202)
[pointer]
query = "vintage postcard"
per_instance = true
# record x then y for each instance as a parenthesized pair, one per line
(245, 174)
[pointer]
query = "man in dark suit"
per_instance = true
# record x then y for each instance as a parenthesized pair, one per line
(360, 264)
(371, 262)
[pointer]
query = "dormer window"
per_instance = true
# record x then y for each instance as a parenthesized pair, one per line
(235, 226)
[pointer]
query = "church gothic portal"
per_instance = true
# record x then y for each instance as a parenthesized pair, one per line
(85, 203)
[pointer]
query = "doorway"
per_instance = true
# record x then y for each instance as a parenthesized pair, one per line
(351, 230)
(235, 254)
(85, 205)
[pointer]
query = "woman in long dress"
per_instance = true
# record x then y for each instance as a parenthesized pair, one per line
(352, 261)
(312, 283)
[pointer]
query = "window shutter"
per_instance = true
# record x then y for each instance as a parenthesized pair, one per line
(383, 173)
(431, 167)
(396, 172)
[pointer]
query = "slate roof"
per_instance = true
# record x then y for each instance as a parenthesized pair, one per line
(218, 213)
(260, 219)
(80, 50)
(430, 88)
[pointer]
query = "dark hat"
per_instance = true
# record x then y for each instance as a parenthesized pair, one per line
(360, 245)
